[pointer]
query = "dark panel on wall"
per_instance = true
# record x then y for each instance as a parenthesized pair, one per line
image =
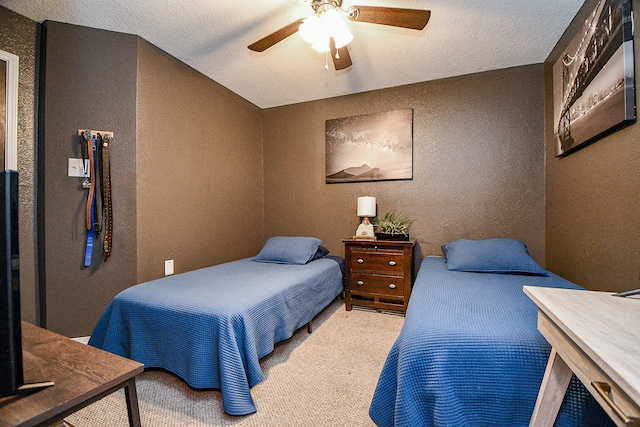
(88, 79)
(593, 198)
(200, 198)
(18, 35)
(478, 162)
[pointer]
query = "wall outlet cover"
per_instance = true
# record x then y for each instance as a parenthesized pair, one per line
(168, 267)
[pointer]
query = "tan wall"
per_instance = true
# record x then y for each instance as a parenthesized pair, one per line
(186, 166)
(199, 168)
(478, 163)
(202, 195)
(80, 91)
(593, 199)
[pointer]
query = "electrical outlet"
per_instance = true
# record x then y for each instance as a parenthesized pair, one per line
(168, 267)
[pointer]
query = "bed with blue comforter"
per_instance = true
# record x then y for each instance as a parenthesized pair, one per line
(211, 326)
(469, 353)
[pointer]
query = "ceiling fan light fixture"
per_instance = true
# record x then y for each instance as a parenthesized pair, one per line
(319, 28)
(328, 33)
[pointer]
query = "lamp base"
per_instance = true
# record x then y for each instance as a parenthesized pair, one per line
(364, 237)
(365, 230)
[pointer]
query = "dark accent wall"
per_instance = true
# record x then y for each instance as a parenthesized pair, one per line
(593, 197)
(478, 162)
(186, 165)
(200, 191)
(88, 80)
(18, 35)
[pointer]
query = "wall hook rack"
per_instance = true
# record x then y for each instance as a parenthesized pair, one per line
(95, 132)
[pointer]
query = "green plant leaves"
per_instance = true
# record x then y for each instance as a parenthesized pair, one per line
(391, 223)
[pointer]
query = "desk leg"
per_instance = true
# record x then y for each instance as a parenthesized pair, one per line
(132, 403)
(552, 390)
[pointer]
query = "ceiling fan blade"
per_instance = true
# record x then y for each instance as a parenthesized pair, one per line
(396, 17)
(275, 37)
(341, 57)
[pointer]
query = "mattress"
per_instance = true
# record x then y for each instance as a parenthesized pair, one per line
(211, 326)
(470, 354)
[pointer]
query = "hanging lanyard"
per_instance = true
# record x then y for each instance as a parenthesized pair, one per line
(97, 179)
(91, 198)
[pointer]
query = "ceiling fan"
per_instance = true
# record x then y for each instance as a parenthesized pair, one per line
(328, 33)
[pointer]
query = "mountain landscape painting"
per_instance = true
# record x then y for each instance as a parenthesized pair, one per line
(372, 147)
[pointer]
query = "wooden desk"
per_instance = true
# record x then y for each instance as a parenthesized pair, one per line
(82, 375)
(597, 337)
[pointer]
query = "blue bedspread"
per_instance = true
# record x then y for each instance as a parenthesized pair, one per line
(470, 354)
(210, 326)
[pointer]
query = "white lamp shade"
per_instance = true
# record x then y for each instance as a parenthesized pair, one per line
(319, 28)
(367, 206)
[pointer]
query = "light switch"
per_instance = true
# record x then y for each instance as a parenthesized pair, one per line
(77, 167)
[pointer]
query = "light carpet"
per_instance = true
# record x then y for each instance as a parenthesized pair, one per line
(326, 378)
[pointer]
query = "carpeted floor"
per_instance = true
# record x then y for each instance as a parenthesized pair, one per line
(323, 379)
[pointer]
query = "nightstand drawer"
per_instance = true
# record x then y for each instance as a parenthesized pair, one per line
(382, 260)
(387, 285)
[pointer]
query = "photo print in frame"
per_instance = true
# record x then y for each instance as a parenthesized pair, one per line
(594, 78)
(371, 147)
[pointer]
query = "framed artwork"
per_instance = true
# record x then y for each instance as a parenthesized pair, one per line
(9, 110)
(371, 147)
(593, 80)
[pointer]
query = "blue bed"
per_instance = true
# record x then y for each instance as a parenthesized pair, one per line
(470, 354)
(211, 326)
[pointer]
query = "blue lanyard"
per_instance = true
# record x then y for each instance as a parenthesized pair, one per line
(92, 195)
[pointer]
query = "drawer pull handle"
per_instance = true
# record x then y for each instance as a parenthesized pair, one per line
(392, 263)
(360, 260)
(604, 389)
(360, 283)
(392, 286)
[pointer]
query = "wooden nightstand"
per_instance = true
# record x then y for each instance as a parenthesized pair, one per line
(379, 273)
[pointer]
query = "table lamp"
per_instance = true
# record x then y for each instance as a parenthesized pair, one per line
(366, 210)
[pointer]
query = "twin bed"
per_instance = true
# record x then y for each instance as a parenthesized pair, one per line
(469, 353)
(211, 326)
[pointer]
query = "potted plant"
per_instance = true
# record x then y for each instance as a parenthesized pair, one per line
(393, 227)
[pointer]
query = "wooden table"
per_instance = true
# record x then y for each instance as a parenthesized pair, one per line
(597, 337)
(82, 375)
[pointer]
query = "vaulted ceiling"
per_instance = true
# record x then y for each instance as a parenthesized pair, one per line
(462, 37)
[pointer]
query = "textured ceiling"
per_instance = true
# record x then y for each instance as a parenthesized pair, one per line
(462, 37)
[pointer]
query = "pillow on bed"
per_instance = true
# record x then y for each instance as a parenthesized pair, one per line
(503, 256)
(322, 251)
(289, 250)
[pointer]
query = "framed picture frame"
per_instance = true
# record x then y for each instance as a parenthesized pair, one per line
(594, 78)
(371, 147)
(9, 109)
